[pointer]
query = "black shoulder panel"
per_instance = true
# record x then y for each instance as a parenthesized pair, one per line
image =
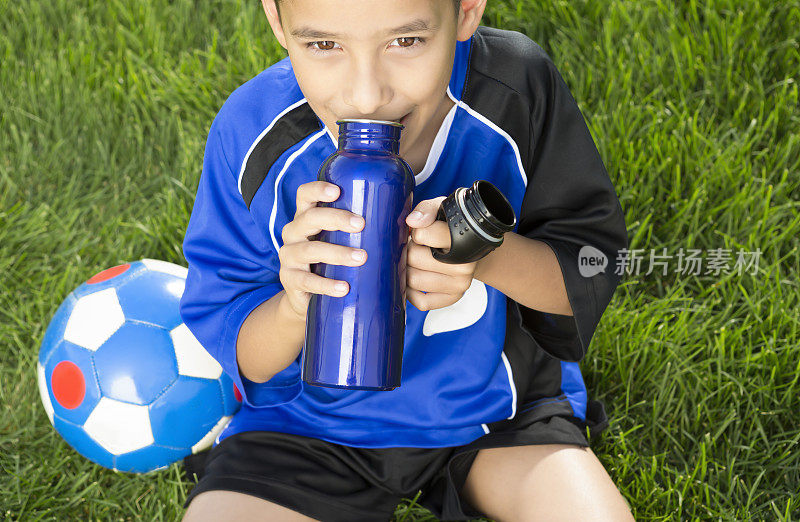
(291, 128)
(506, 71)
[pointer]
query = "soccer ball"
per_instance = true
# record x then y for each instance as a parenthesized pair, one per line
(122, 378)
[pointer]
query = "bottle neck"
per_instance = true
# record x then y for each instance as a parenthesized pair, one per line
(366, 135)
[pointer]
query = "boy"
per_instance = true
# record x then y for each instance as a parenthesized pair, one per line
(491, 414)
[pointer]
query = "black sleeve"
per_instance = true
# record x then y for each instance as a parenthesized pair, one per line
(569, 204)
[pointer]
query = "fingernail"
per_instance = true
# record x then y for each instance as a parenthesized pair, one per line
(359, 255)
(340, 287)
(356, 222)
(416, 215)
(331, 191)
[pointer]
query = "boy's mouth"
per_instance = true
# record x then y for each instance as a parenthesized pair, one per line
(402, 121)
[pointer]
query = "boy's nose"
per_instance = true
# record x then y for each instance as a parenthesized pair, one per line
(366, 91)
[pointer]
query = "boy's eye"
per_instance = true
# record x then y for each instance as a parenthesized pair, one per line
(407, 38)
(325, 46)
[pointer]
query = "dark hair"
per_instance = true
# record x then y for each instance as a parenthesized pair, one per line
(456, 5)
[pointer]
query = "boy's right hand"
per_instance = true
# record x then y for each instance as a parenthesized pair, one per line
(299, 252)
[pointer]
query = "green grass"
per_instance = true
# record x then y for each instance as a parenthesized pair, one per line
(104, 111)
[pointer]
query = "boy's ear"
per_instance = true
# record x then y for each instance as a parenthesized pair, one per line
(469, 18)
(271, 11)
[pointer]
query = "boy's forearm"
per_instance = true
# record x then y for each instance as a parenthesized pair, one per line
(270, 339)
(527, 271)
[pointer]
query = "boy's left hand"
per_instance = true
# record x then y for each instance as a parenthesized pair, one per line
(444, 283)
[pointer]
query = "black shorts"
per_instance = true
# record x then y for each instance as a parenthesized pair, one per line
(332, 482)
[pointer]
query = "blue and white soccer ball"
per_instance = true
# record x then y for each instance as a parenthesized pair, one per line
(122, 378)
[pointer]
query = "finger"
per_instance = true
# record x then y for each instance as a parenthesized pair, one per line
(436, 235)
(429, 301)
(426, 281)
(316, 219)
(426, 212)
(420, 256)
(304, 253)
(312, 283)
(309, 194)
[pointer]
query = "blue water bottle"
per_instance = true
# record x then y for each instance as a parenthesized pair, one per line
(356, 341)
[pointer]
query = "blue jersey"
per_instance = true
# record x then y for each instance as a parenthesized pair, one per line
(469, 368)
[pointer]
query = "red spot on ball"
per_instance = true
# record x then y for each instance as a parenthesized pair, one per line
(237, 393)
(68, 384)
(108, 273)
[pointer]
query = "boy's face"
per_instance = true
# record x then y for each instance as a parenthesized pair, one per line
(353, 59)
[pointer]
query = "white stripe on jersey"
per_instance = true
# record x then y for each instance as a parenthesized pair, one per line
(263, 133)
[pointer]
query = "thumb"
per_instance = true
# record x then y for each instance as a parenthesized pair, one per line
(425, 213)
